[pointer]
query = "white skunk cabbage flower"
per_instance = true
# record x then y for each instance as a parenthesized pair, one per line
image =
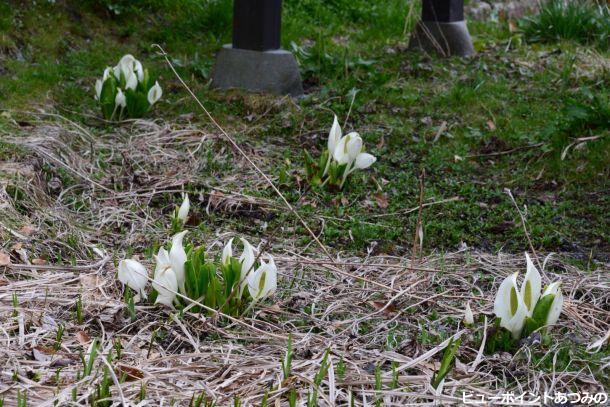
(247, 262)
(348, 148)
(133, 274)
(127, 60)
(263, 282)
(532, 284)
(119, 100)
(107, 73)
(183, 211)
(137, 68)
(117, 72)
(334, 136)
(162, 259)
(98, 89)
(468, 317)
(155, 93)
(166, 285)
(131, 81)
(354, 146)
(127, 65)
(364, 161)
(509, 306)
(555, 310)
(227, 253)
(177, 258)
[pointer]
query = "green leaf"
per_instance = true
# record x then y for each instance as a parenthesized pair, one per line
(107, 97)
(530, 326)
(137, 103)
(190, 280)
(447, 362)
(542, 309)
(499, 339)
(310, 165)
(323, 160)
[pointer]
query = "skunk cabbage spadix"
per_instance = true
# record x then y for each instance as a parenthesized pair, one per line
(177, 258)
(532, 284)
(509, 306)
(133, 274)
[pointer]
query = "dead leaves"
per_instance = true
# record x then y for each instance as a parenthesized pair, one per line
(52, 357)
(129, 372)
(387, 309)
(382, 200)
(83, 338)
(5, 259)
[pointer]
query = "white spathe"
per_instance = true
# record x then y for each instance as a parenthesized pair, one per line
(131, 81)
(227, 253)
(468, 316)
(247, 262)
(127, 65)
(137, 68)
(364, 161)
(162, 259)
(177, 258)
(166, 285)
(556, 307)
(532, 284)
(119, 100)
(183, 211)
(263, 282)
(340, 153)
(154, 93)
(133, 274)
(107, 73)
(117, 72)
(354, 146)
(509, 306)
(334, 136)
(98, 89)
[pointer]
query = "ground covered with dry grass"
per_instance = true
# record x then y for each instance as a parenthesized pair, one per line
(85, 197)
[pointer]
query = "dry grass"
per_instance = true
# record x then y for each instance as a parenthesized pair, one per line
(370, 312)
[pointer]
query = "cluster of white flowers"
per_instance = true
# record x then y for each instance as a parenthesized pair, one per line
(169, 276)
(261, 282)
(346, 150)
(344, 155)
(514, 306)
(126, 88)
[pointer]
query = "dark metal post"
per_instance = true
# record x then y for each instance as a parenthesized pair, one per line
(255, 60)
(443, 29)
(257, 24)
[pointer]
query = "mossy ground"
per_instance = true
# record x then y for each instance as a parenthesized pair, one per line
(474, 126)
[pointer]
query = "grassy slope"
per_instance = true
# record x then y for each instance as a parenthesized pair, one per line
(508, 97)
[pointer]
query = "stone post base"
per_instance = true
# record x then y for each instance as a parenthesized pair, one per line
(446, 39)
(273, 71)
